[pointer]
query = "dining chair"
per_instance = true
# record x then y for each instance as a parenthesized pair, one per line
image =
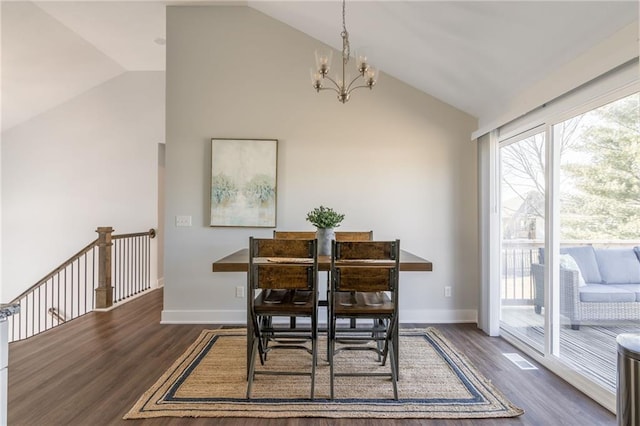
(282, 282)
(364, 284)
(340, 236)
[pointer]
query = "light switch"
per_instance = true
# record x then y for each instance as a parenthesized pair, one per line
(183, 220)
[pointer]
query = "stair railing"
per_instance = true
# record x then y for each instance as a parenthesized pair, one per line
(108, 270)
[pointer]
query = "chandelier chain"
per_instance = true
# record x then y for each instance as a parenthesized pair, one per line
(346, 49)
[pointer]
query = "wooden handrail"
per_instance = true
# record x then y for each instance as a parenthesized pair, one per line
(151, 233)
(58, 269)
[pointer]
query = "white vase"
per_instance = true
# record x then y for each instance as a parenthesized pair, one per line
(325, 236)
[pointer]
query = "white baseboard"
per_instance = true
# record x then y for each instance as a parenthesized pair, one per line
(438, 316)
(203, 316)
(216, 316)
(160, 282)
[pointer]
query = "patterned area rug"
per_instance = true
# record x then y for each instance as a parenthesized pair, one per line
(436, 381)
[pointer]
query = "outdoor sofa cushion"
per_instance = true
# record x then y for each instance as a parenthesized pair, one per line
(585, 257)
(618, 266)
(568, 262)
(606, 294)
(629, 287)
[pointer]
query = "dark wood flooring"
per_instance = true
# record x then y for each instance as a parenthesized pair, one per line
(91, 371)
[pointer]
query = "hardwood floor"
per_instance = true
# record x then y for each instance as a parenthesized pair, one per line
(92, 370)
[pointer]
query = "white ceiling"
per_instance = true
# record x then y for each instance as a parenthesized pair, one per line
(474, 55)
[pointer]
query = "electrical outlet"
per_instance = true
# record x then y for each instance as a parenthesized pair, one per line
(447, 291)
(183, 220)
(240, 292)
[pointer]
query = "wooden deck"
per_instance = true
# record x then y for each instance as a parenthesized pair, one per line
(591, 351)
(91, 371)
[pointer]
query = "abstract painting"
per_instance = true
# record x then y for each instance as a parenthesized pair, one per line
(243, 182)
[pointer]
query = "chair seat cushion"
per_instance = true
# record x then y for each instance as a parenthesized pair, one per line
(605, 294)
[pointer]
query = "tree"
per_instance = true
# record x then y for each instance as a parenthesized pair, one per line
(523, 173)
(606, 201)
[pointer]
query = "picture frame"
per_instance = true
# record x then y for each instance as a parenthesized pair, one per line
(243, 182)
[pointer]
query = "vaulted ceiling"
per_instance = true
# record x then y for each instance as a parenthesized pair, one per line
(474, 55)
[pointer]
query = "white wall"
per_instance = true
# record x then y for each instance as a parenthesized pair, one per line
(89, 162)
(394, 160)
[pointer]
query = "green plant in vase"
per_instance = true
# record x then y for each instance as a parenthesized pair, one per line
(325, 220)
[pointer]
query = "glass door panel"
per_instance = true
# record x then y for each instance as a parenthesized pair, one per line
(522, 202)
(599, 195)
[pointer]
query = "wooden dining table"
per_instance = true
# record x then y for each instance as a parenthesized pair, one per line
(238, 261)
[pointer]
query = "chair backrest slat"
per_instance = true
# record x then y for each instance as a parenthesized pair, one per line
(284, 276)
(309, 235)
(282, 248)
(294, 235)
(365, 278)
(354, 235)
(374, 250)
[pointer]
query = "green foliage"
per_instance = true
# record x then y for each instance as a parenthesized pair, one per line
(606, 202)
(261, 189)
(222, 189)
(325, 217)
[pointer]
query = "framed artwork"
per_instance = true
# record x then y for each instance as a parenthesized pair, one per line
(243, 182)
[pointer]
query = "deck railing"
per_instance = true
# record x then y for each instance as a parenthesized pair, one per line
(108, 270)
(517, 286)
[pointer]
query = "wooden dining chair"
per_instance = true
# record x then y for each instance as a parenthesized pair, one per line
(282, 282)
(364, 284)
(340, 236)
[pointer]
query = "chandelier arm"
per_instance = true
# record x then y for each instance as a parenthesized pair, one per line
(357, 87)
(351, 83)
(330, 88)
(331, 80)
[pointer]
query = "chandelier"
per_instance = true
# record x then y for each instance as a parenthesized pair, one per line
(343, 87)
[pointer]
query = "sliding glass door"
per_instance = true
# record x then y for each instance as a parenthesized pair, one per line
(577, 178)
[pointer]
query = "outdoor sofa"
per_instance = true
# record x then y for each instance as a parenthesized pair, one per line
(595, 284)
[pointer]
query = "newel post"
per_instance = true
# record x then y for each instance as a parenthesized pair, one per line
(104, 292)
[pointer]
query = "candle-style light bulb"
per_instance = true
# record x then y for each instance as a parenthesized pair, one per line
(316, 80)
(323, 61)
(362, 63)
(371, 77)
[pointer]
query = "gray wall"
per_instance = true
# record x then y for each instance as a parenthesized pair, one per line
(394, 160)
